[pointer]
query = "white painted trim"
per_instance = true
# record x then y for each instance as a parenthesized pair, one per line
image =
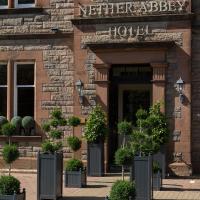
(3, 7)
(17, 5)
(20, 86)
(3, 86)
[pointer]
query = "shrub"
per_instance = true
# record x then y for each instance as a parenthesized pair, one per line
(56, 113)
(96, 127)
(123, 156)
(8, 129)
(156, 167)
(17, 122)
(9, 185)
(122, 190)
(55, 134)
(50, 147)
(74, 143)
(74, 165)
(10, 153)
(46, 127)
(28, 124)
(74, 121)
(3, 120)
(124, 128)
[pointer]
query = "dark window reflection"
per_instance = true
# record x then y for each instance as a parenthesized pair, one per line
(26, 1)
(3, 74)
(3, 2)
(3, 101)
(25, 102)
(25, 74)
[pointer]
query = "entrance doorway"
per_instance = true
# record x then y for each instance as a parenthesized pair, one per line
(130, 89)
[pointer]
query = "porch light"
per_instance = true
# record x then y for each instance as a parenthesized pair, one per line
(180, 86)
(79, 87)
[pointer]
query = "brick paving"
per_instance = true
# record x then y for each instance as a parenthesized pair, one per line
(99, 187)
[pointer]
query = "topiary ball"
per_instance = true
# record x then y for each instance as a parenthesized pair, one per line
(122, 190)
(49, 147)
(17, 122)
(124, 128)
(8, 129)
(10, 153)
(74, 143)
(123, 156)
(74, 121)
(28, 122)
(55, 134)
(56, 113)
(3, 120)
(9, 185)
(46, 127)
(74, 165)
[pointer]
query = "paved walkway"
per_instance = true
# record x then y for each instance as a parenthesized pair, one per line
(99, 187)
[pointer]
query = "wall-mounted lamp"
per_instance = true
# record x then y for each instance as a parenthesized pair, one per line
(180, 86)
(79, 87)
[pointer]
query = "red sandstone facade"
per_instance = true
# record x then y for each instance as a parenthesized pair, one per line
(92, 40)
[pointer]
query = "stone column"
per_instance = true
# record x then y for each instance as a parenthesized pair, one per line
(10, 88)
(102, 92)
(159, 82)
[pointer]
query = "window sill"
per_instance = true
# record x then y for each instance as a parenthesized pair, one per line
(31, 10)
(16, 138)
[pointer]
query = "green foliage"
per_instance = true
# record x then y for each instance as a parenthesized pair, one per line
(74, 165)
(124, 128)
(56, 113)
(152, 131)
(50, 147)
(9, 185)
(10, 153)
(17, 122)
(122, 190)
(55, 134)
(124, 156)
(46, 127)
(8, 129)
(74, 121)
(74, 143)
(28, 124)
(3, 120)
(156, 167)
(96, 128)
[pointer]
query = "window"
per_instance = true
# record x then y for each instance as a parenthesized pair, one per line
(24, 3)
(3, 3)
(24, 89)
(3, 89)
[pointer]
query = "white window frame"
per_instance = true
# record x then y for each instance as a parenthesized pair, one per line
(3, 7)
(5, 86)
(21, 86)
(17, 5)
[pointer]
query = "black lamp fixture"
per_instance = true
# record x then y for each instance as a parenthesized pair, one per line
(79, 87)
(180, 86)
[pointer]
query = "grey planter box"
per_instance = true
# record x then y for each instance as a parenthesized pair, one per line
(157, 181)
(49, 175)
(95, 159)
(76, 179)
(143, 177)
(21, 196)
(161, 159)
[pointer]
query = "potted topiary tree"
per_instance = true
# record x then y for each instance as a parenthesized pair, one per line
(123, 190)
(9, 185)
(157, 178)
(95, 132)
(50, 161)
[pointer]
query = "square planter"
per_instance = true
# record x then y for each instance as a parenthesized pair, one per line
(95, 153)
(157, 181)
(49, 175)
(160, 158)
(143, 177)
(21, 196)
(76, 179)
